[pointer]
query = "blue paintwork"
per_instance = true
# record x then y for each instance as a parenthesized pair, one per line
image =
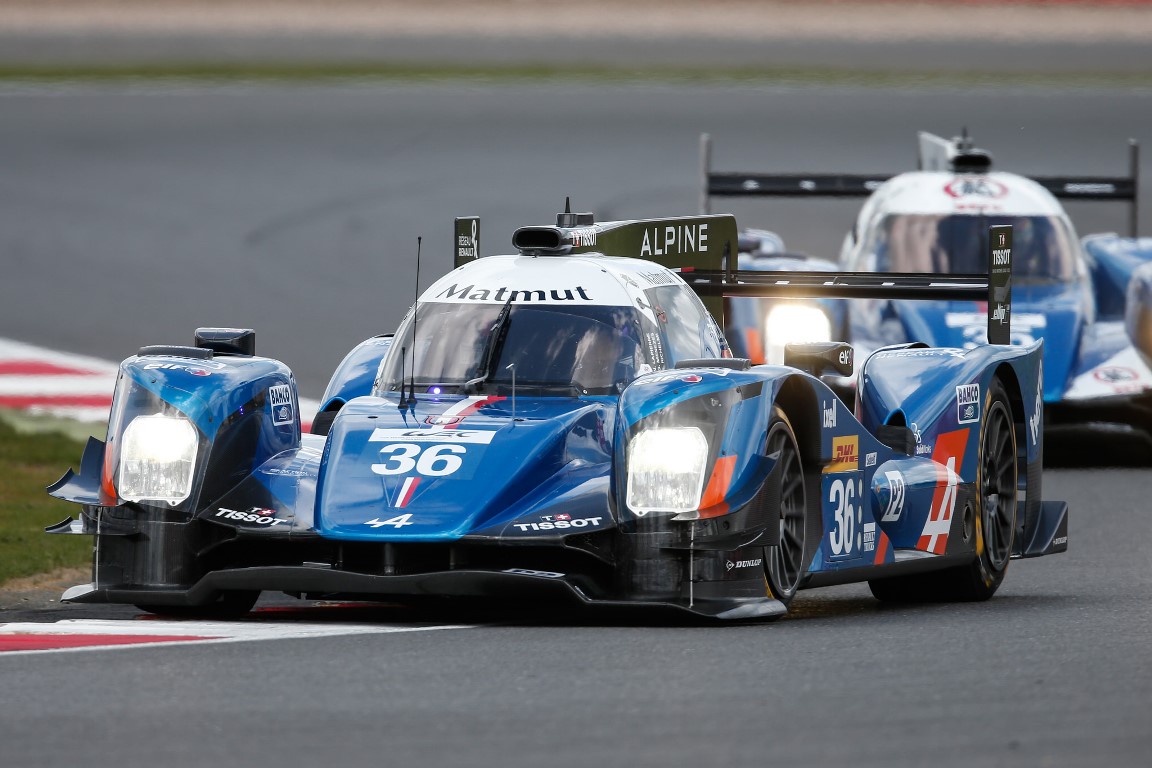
(356, 372)
(529, 467)
(553, 463)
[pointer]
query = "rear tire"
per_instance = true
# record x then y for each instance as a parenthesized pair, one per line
(996, 488)
(784, 563)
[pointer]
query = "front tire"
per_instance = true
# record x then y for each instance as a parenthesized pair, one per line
(784, 563)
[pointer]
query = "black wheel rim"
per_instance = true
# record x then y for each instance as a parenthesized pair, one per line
(999, 486)
(785, 562)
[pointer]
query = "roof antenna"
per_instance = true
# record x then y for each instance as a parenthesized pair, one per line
(411, 401)
(566, 219)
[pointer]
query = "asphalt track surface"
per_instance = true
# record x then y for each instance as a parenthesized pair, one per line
(131, 215)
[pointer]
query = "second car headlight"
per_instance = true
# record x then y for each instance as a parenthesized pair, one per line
(157, 459)
(666, 470)
(793, 324)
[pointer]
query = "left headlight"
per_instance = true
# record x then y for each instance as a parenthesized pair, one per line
(157, 459)
(793, 324)
(666, 470)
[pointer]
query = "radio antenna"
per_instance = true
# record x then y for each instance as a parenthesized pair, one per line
(411, 402)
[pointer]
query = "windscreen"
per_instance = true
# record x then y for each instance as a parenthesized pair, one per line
(471, 348)
(1042, 247)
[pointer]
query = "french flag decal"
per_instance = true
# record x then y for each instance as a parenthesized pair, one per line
(406, 492)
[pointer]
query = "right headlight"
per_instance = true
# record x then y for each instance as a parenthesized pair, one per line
(666, 470)
(157, 459)
(793, 324)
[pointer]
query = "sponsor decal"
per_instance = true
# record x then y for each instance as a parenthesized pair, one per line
(395, 522)
(473, 436)
(922, 353)
(581, 238)
(192, 369)
(255, 515)
(467, 246)
(921, 448)
(663, 377)
(950, 448)
(675, 239)
(870, 459)
(1059, 540)
(829, 414)
(550, 523)
(846, 357)
(502, 294)
(280, 400)
(730, 565)
(975, 186)
(1114, 374)
(530, 572)
(967, 403)
(655, 350)
(845, 454)
(868, 544)
(1086, 188)
(284, 472)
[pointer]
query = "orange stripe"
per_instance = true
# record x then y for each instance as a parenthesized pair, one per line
(881, 549)
(717, 487)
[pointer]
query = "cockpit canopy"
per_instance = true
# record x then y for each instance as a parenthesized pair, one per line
(1043, 248)
(568, 345)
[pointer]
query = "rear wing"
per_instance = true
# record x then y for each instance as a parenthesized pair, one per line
(703, 249)
(935, 154)
(994, 288)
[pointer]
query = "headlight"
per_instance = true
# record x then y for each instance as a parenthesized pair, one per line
(157, 459)
(666, 470)
(793, 324)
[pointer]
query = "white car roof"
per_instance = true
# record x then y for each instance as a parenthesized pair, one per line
(948, 193)
(587, 280)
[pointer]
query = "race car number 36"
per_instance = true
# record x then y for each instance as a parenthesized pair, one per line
(437, 460)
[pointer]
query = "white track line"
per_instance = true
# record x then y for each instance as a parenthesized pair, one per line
(214, 632)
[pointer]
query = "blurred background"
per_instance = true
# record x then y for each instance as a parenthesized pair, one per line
(169, 164)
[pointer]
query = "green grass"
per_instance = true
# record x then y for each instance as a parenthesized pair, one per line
(30, 461)
(290, 72)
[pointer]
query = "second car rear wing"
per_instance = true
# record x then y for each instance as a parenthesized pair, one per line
(935, 154)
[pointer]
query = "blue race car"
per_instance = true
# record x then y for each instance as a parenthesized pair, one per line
(565, 423)
(1073, 294)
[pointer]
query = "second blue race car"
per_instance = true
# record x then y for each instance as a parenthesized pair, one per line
(1088, 299)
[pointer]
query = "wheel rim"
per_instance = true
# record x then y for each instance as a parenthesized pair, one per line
(999, 486)
(785, 561)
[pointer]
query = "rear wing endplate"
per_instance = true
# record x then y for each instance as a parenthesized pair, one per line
(729, 184)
